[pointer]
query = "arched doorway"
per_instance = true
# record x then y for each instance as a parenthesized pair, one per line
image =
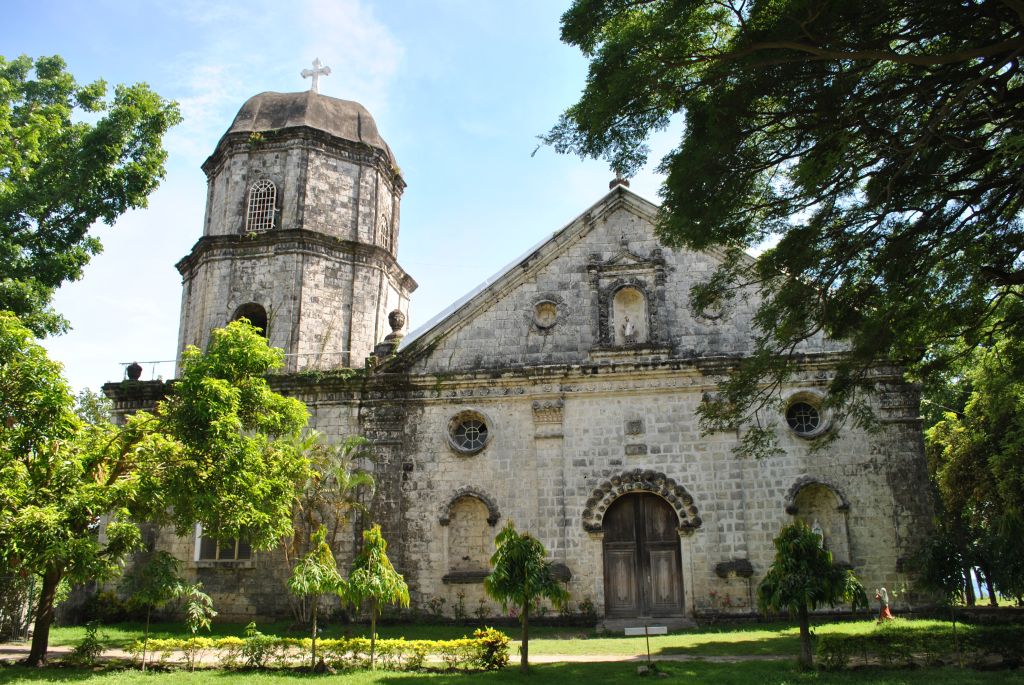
(643, 573)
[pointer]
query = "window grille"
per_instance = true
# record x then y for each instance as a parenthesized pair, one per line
(803, 418)
(262, 199)
(208, 549)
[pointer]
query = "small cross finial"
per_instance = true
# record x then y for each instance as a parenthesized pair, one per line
(315, 73)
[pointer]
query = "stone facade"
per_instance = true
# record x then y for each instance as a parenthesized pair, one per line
(564, 389)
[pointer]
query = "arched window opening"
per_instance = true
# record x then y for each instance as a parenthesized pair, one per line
(823, 511)
(262, 201)
(629, 316)
(255, 314)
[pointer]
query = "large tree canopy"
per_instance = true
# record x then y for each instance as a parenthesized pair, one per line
(977, 459)
(875, 146)
(210, 454)
(68, 159)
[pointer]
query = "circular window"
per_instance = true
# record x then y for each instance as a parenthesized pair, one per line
(468, 432)
(803, 418)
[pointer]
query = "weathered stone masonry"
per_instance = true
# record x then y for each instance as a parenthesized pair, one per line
(557, 397)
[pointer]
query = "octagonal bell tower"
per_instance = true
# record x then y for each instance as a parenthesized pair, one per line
(301, 232)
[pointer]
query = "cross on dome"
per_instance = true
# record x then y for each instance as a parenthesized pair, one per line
(315, 73)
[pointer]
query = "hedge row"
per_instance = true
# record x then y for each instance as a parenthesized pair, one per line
(897, 645)
(488, 649)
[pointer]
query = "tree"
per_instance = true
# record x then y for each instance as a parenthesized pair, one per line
(207, 454)
(315, 575)
(977, 460)
(151, 585)
(802, 578)
(56, 477)
(521, 576)
(873, 147)
(199, 615)
(334, 489)
(373, 578)
(226, 442)
(68, 158)
(94, 407)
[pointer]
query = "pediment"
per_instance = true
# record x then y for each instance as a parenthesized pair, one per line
(626, 260)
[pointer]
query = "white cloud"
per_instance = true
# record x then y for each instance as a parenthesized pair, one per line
(364, 55)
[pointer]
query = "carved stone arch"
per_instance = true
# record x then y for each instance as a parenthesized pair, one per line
(492, 509)
(806, 481)
(640, 480)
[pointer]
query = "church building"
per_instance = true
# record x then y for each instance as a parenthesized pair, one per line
(561, 395)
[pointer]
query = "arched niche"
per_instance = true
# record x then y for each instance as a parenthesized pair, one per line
(469, 517)
(629, 316)
(492, 509)
(255, 314)
(818, 503)
(638, 481)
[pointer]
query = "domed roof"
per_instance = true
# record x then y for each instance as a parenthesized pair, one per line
(343, 119)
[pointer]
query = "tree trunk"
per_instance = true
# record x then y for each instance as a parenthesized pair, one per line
(969, 589)
(315, 603)
(145, 639)
(44, 617)
(992, 599)
(956, 639)
(524, 648)
(373, 633)
(806, 655)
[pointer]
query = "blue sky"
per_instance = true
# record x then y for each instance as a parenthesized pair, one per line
(460, 89)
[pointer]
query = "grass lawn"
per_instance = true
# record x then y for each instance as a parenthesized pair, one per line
(747, 640)
(695, 672)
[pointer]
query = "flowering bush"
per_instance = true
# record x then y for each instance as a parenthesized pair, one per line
(488, 649)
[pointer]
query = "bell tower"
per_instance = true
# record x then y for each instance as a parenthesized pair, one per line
(301, 232)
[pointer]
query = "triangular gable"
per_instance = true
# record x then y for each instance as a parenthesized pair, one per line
(463, 309)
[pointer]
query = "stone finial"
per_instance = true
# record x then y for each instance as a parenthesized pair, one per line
(396, 319)
(315, 73)
(134, 371)
(618, 181)
(386, 348)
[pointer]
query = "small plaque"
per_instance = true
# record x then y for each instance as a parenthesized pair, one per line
(636, 450)
(647, 630)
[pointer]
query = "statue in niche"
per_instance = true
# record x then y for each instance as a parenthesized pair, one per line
(817, 530)
(629, 331)
(629, 314)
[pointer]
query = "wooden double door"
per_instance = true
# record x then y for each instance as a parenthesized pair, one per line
(643, 573)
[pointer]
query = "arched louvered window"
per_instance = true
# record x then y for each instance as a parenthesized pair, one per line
(262, 197)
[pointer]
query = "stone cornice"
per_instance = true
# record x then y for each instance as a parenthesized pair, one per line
(282, 241)
(307, 137)
(697, 374)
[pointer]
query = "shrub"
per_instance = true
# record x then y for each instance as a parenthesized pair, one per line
(492, 649)
(486, 650)
(901, 644)
(90, 648)
(256, 648)
(107, 607)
